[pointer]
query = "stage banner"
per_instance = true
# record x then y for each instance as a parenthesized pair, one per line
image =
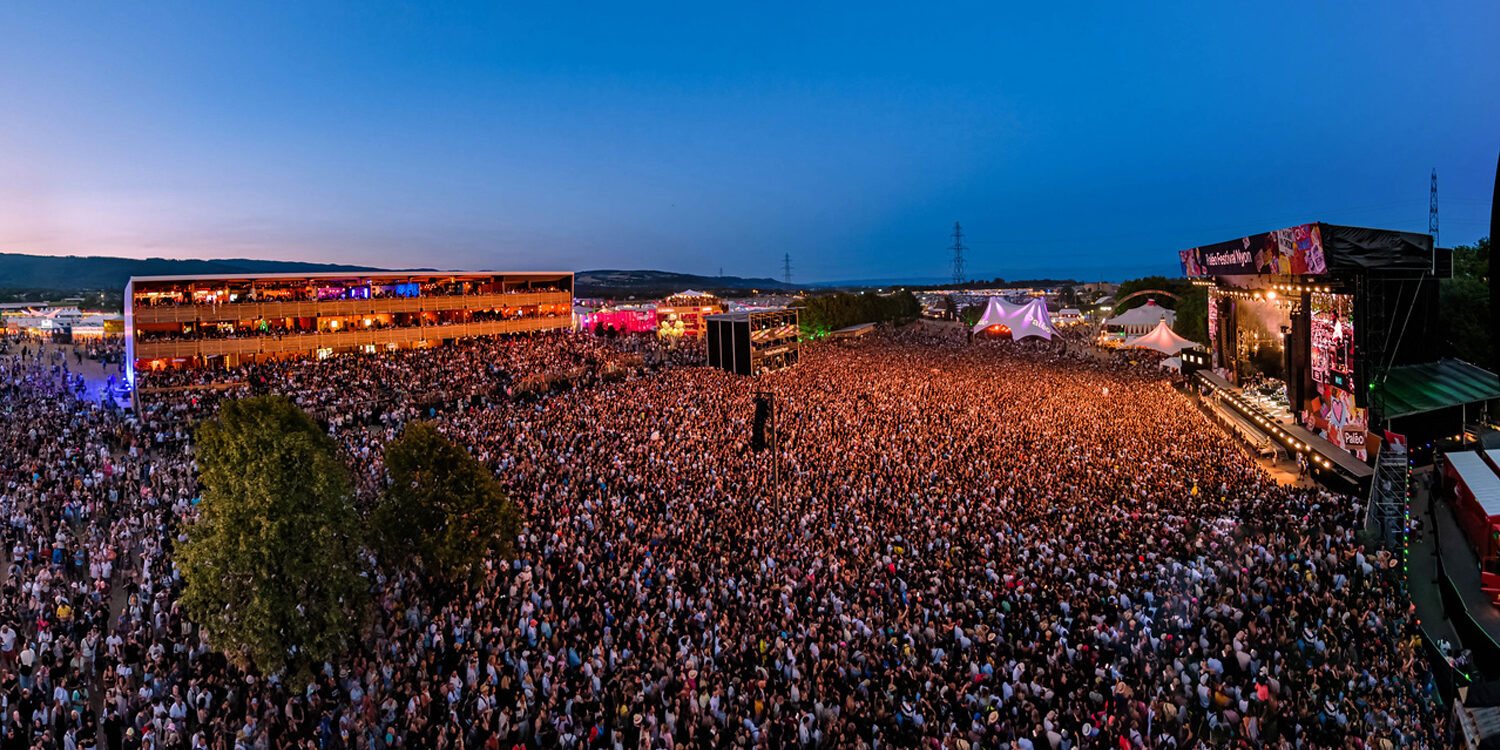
(1295, 250)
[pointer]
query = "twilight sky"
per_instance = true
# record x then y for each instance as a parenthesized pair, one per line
(1092, 142)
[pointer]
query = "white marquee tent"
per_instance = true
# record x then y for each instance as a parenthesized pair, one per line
(1028, 319)
(1138, 320)
(1162, 339)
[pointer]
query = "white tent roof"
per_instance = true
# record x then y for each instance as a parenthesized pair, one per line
(1162, 339)
(1029, 319)
(1479, 478)
(1145, 315)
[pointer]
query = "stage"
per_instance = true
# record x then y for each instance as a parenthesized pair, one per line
(1324, 458)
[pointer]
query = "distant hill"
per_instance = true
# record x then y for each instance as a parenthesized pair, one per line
(644, 284)
(74, 272)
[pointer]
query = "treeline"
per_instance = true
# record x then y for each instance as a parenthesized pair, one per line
(826, 313)
(1465, 304)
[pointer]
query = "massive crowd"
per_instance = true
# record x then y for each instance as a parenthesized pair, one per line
(983, 545)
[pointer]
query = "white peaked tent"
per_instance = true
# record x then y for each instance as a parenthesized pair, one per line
(1162, 339)
(1029, 319)
(1138, 320)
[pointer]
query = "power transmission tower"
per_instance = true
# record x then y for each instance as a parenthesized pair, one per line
(1432, 212)
(786, 268)
(958, 254)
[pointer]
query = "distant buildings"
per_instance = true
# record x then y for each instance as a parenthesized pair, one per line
(63, 323)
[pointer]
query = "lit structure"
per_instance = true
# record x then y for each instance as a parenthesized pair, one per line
(1019, 321)
(225, 320)
(1320, 316)
(753, 342)
(46, 321)
(686, 312)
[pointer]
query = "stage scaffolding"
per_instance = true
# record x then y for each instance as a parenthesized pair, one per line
(1389, 495)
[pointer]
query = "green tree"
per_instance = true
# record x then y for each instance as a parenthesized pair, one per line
(1464, 301)
(829, 312)
(442, 506)
(271, 565)
(1067, 296)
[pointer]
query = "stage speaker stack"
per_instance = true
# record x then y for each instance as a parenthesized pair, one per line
(753, 342)
(762, 415)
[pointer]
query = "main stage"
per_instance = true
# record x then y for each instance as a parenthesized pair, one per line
(1326, 461)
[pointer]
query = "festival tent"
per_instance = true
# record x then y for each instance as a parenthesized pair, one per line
(1162, 339)
(1142, 319)
(1028, 319)
(1171, 363)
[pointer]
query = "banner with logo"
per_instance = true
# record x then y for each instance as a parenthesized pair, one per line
(1296, 250)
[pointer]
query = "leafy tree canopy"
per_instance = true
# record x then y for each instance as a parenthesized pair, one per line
(442, 506)
(1464, 301)
(271, 565)
(825, 313)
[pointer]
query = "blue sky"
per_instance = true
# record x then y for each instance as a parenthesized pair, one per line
(1087, 140)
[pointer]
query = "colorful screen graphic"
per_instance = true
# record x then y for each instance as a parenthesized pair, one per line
(1332, 318)
(1295, 250)
(1213, 332)
(1343, 423)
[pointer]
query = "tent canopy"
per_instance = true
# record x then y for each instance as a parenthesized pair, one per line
(1162, 339)
(1029, 319)
(1148, 314)
(1414, 389)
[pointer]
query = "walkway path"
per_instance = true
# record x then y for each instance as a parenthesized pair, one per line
(1422, 566)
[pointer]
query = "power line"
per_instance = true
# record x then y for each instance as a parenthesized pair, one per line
(958, 254)
(786, 267)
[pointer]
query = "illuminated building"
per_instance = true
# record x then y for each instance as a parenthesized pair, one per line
(226, 320)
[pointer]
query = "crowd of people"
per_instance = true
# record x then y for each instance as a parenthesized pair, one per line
(969, 546)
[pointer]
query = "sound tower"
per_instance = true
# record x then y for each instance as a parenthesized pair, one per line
(762, 415)
(753, 342)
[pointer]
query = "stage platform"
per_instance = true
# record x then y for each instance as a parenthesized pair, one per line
(1294, 437)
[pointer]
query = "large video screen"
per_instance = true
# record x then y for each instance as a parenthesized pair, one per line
(1295, 250)
(1213, 333)
(1332, 317)
(1343, 423)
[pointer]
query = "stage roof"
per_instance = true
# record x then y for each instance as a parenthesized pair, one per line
(1313, 250)
(1028, 319)
(1415, 389)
